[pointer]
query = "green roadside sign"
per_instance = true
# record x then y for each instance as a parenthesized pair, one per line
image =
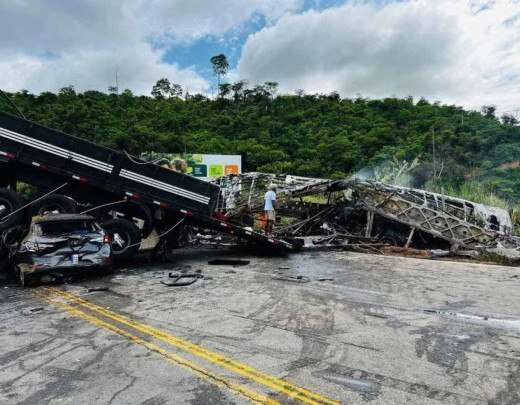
(200, 170)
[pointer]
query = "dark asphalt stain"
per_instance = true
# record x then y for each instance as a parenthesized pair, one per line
(368, 385)
(58, 383)
(155, 400)
(122, 389)
(312, 319)
(208, 394)
(48, 359)
(33, 347)
(302, 362)
(510, 395)
(458, 305)
(446, 343)
(355, 382)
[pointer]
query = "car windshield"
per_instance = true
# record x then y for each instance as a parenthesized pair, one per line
(57, 228)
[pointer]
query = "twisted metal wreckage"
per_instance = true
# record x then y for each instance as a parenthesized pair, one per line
(366, 213)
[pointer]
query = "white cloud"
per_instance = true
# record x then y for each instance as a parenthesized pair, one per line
(138, 68)
(49, 44)
(196, 18)
(465, 52)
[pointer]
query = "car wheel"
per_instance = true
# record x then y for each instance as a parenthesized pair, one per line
(125, 236)
(55, 204)
(10, 201)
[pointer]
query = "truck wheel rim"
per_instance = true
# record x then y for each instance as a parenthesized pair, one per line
(51, 209)
(121, 241)
(5, 208)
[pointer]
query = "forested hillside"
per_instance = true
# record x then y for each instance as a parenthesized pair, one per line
(310, 135)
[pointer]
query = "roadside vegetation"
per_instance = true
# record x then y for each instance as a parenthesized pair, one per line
(445, 148)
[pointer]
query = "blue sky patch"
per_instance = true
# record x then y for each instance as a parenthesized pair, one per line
(197, 53)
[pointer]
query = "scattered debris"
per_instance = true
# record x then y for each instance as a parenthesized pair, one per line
(32, 310)
(376, 315)
(229, 262)
(294, 279)
(94, 289)
(409, 252)
(177, 277)
(457, 314)
(365, 216)
(439, 253)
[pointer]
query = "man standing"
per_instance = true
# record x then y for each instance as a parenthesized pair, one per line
(269, 206)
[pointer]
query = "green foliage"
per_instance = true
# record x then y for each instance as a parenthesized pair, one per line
(515, 218)
(475, 191)
(318, 135)
(395, 171)
(220, 66)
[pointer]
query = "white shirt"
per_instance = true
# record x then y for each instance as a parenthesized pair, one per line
(269, 197)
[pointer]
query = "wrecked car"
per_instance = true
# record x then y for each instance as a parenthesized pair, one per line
(58, 245)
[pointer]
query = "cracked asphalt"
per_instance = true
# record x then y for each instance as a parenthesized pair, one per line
(376, 329)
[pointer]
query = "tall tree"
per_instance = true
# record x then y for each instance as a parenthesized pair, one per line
(271, 88)
(161, 88)
(238, 89)
(176, 90)
(509, 119)
(220, 67)
(489, 111)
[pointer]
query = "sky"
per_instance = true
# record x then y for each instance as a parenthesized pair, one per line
(464, 52)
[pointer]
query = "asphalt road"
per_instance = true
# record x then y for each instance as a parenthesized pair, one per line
(363, 329)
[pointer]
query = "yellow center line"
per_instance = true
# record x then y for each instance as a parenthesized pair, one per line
(172, 357)
(284, 387)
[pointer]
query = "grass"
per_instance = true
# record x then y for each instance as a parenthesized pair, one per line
(317, 198)
(471, 191)
(479, 193)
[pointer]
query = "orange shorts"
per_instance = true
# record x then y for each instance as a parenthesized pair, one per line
(270, 215)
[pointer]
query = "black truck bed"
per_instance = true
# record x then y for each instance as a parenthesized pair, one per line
(77, 159)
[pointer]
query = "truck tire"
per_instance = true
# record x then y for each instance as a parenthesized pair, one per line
(10, 201)
(5, 262)
(55, 203)
(144, 213)
(126, 238)
(393, 238)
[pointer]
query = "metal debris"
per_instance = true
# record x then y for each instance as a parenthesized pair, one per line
(177, 277)
(366, 215)
(294, 279)
(94, 289)
(229, 262)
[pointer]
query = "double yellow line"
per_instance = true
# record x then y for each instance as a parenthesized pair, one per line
(92, 312)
